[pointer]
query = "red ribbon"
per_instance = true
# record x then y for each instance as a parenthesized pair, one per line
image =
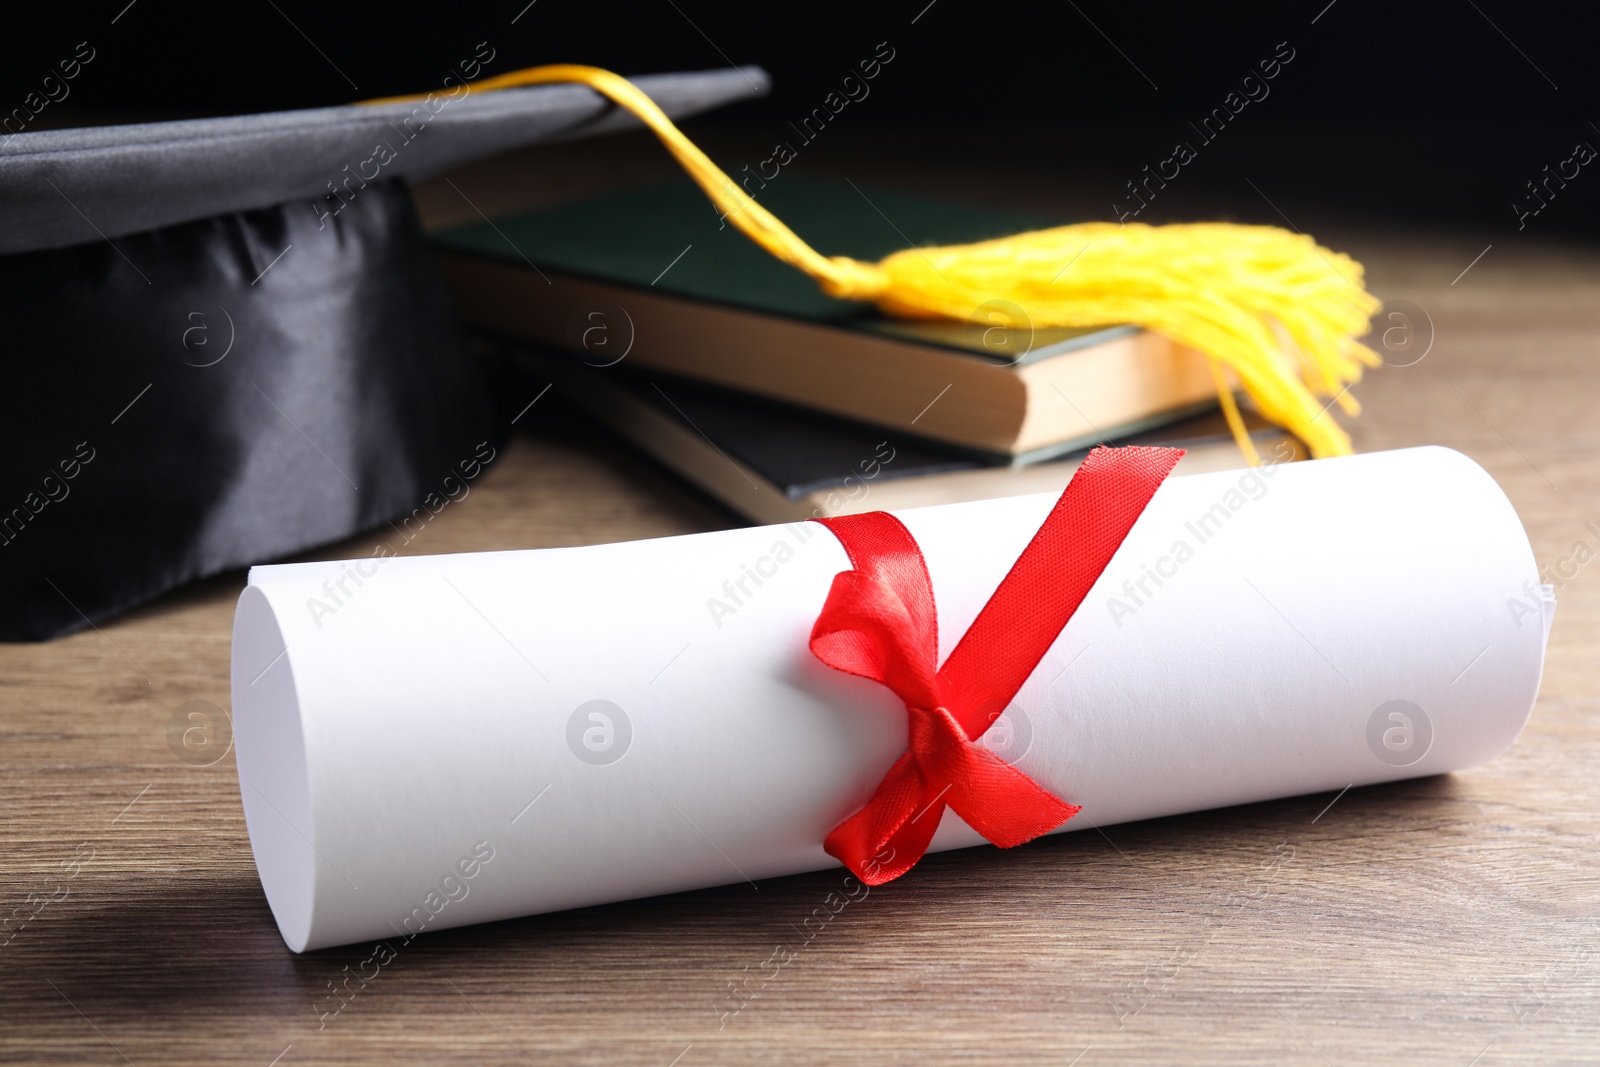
(879, 622)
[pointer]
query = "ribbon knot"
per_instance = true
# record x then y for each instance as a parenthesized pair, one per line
(880, 622)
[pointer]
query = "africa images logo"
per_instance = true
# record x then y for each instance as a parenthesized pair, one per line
(1399, 733)
(599, 732)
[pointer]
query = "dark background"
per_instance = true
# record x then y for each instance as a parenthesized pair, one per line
(1426, 115)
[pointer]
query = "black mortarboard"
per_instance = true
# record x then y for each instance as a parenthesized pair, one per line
(226, 340)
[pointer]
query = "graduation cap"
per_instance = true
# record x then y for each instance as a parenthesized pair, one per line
(226, 340)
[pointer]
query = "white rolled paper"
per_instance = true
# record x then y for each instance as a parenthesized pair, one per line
(425, 742)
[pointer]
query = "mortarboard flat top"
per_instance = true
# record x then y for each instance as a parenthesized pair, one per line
(125, 179)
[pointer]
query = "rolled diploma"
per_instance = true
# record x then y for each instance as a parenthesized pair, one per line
(389, 731)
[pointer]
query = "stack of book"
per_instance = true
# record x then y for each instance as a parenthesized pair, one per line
(651, 313)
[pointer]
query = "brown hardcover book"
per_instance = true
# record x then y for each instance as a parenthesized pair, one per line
(656, 278)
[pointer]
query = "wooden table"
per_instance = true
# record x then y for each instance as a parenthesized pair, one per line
(1451, 921)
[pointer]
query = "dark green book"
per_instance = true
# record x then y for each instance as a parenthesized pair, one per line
(657, 277)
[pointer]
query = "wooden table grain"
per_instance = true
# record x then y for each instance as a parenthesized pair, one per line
(1449, 920)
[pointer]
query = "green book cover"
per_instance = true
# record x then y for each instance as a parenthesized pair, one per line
(671, 238)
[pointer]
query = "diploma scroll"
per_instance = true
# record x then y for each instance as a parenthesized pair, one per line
(426, 742)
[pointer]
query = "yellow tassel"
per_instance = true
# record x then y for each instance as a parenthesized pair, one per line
(1278, 310)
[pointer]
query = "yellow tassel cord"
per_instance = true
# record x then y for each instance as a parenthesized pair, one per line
(1274, 308)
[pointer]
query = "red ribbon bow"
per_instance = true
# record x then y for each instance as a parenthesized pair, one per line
(879, 622)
